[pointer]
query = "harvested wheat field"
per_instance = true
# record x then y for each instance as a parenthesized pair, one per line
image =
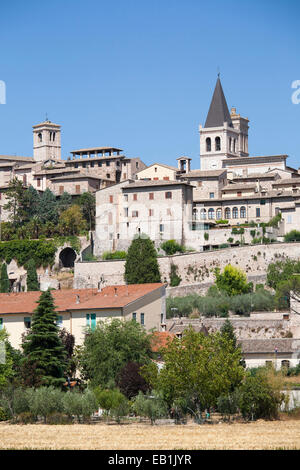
(257, 435)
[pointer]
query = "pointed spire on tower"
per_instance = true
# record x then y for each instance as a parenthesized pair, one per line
(218, 111)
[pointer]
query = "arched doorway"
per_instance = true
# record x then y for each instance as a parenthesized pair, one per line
(67, 257)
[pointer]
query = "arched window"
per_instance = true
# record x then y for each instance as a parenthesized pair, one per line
(203, 214)
(218, 144)
(195, 213)
(227, 213)
(40, 137)
(234, 142)
(230, 144)
(211, 213)
(243, 212)
(235, 213)
(219, 214)
(208, 144)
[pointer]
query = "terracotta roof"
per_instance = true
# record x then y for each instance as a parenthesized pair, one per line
(17, 159)
(77, 299)
(234, 186)
(203, 173)
(160, 340)
(143, 183)
(158, 164)
(97, 149)
(77, 176)
(283, 345)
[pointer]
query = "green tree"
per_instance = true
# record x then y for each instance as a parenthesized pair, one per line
(71, 221)
(141, 262)
(32, 278)
(48, 207)
(228, 331)
(281, 270)
(4, 280)
(6, 360)
(64, 202)
(42, 345)
(87, 202)
(198, 369)
(110, 347)
(15, 205)
(232, 280)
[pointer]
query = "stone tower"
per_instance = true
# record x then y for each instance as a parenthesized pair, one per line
(46, 142)
(225, 135)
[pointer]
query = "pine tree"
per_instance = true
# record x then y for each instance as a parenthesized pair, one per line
(32, 278)
(228, 330)
(4, 280)
(141, 262)
(42, 346)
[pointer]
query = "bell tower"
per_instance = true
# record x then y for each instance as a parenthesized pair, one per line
(224, 135)
(46, 142)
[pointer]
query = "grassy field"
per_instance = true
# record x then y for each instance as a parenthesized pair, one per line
(283, 434)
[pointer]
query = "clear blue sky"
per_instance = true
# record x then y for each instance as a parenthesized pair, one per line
(139, 74)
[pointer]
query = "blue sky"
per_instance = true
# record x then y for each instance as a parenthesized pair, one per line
(139, 75)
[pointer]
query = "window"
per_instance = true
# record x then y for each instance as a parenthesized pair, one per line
(84, 165)
(40, 137)
(168, 195)
(211, 195)
(239, 193)
(135, 213)
(136, 164)
(91, 320)
(100, 164)
(77, 188)
(108, 176)
(124, 176)
(111, 199)
(235, 213)
(134, 316)
(203, 214)
(243, 212)
(59, 321)
(257, 212)
(155, 169)
(211, 213)
(135, 197)
(107, 163)
(126, 212)
(142, 319)
(285, 364)
(151, 212)
(230, 141)
(39, 182)
(1, 323)
(262, 202)
(208, 144)
(161, 228)
(125, 197)
(27, 322)
(92, 164)
(166, 178)
(218, 144)
(227, 213)
(234, 144)
(219, 214)
(151, 196)
(161, 318)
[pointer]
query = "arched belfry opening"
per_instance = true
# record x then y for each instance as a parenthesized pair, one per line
(67, 257)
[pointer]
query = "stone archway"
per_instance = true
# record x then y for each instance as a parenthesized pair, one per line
(67, 257)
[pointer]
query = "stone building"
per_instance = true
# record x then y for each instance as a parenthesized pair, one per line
(86, 170)
(230, 187)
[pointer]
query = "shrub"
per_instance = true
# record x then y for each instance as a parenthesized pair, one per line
(44, 401)
(114, 255)
(206, 236)
(171, 247)
(152, 407)
(222, 222)
(130, 381)
(81, 405)
(3, 415)
(175, 280)
(229, 404)
(292, 236)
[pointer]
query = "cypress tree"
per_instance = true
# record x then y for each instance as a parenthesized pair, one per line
(4, 280)
(43, 346)
(228, 330)
(141, 262)
(32, 278)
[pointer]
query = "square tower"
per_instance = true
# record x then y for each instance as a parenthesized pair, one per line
(46, 142)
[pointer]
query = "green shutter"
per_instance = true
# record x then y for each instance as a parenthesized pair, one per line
(93, 321)
(142, 318)
(1, 323)
(87, 319)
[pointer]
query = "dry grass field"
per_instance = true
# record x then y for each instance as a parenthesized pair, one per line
(283, 434)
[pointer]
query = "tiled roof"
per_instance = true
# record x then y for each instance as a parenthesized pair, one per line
(234, 186)
(17, 159)
(283, 345)
(158, 164)
(97, 149)
(203, 173)
(287, 181)
(77, 299)
(143, 183)
(160, 339)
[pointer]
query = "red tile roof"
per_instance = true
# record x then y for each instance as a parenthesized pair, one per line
(160, 340)
(77, 299)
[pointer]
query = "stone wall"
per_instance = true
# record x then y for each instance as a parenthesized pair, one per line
(195, 269)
